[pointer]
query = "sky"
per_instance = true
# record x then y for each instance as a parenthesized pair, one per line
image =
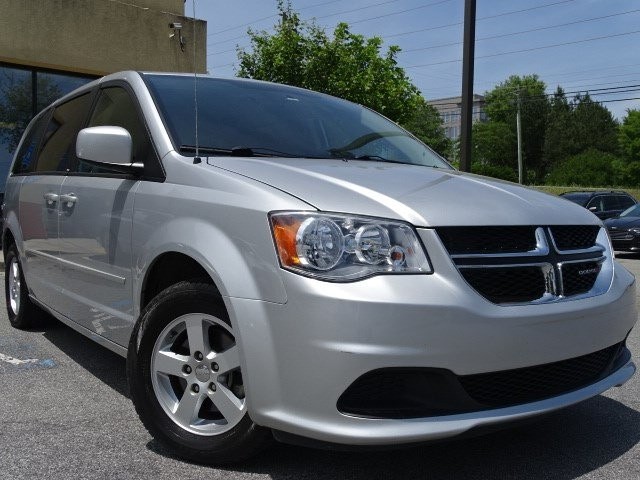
(599, 40)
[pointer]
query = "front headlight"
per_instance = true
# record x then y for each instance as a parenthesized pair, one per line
(635, 231)
(344, 248)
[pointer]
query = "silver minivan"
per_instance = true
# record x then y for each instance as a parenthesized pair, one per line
(274, 262)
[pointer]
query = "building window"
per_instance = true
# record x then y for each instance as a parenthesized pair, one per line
(23, 93)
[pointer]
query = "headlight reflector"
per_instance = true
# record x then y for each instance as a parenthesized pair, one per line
(319, 243)
(345, 248)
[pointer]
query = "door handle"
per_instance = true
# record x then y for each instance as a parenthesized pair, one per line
(68, 199)
(51, 198)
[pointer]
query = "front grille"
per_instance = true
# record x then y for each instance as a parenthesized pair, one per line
(428, 392)
(523, 385)
(508, 284)
(579, 277)
(524, 264)
(487, 240)
(620, 235)
(575, 237)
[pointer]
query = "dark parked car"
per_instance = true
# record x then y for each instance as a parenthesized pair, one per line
(1, 206)
(603, 204)
(624, 230)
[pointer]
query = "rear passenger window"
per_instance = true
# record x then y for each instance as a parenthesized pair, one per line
(26, 156)
(611, 203)
(115, 107)
(59, 145)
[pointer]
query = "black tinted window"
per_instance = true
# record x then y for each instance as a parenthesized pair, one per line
(611, 202)
(625, 202)
(26, 157)
(579, 198)
(281, 121)
(598, 203)
(59, 144)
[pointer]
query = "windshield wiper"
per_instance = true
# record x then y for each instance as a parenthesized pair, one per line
(376, 158)
(209, 150)
(234, 152)
(243, 152)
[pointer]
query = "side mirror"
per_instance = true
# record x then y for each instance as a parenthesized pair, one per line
(107, 147)
(593, 209)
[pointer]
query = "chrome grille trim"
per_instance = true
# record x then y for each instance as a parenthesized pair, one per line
(551, 260)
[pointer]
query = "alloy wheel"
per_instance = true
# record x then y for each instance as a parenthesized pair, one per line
(196, 377)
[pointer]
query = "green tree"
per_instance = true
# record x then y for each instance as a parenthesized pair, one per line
(16, 105)
(426, 124)
(593, 126)
(629, 136)
(501, 106)
(558, 140)
(591, 168)
(346, 65)
(576, 126)
(494, 143)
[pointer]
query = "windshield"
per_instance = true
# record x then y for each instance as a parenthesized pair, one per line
(244, 118)
(633, 211)
(579, 198)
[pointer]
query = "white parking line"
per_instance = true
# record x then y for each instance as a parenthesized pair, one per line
(16, 361)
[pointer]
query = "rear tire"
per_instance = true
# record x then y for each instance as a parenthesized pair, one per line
(22, 312)
(185, 378)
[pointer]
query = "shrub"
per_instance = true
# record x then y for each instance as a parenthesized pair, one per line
(592, 167)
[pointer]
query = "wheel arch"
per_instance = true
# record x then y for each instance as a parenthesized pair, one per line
(7, 239)
(237, 268)
(169, 268)
(12, 234)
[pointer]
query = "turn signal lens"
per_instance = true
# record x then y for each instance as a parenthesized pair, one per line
(284, 230)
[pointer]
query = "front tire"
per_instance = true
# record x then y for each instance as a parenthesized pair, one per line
(185, 377)
(22, 312)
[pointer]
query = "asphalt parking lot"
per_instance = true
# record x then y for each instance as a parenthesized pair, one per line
(65, 414)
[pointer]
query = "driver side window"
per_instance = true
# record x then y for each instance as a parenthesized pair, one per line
(597, 203)
(115, 107)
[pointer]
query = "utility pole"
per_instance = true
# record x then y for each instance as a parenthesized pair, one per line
(467, 84)
(519, 129)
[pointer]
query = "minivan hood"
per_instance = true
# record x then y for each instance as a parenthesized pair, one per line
(423, 196)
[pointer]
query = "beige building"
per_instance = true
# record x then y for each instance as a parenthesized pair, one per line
(450, 110)
(50, 47)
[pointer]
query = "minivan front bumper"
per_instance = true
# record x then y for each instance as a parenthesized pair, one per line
(298, 358)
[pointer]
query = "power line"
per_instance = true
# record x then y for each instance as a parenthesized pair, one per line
(400, 12)
(224, 65)
(491, 37)
(529, 49)
(592, 91)
(361, 8)
(433, 4)
(569, 81)
(257, 20)
(512, 12)
(351, 11)
(459, 23)
(619, 100)
(457, 114)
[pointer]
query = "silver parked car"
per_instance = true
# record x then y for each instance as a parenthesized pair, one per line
(289, 264)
